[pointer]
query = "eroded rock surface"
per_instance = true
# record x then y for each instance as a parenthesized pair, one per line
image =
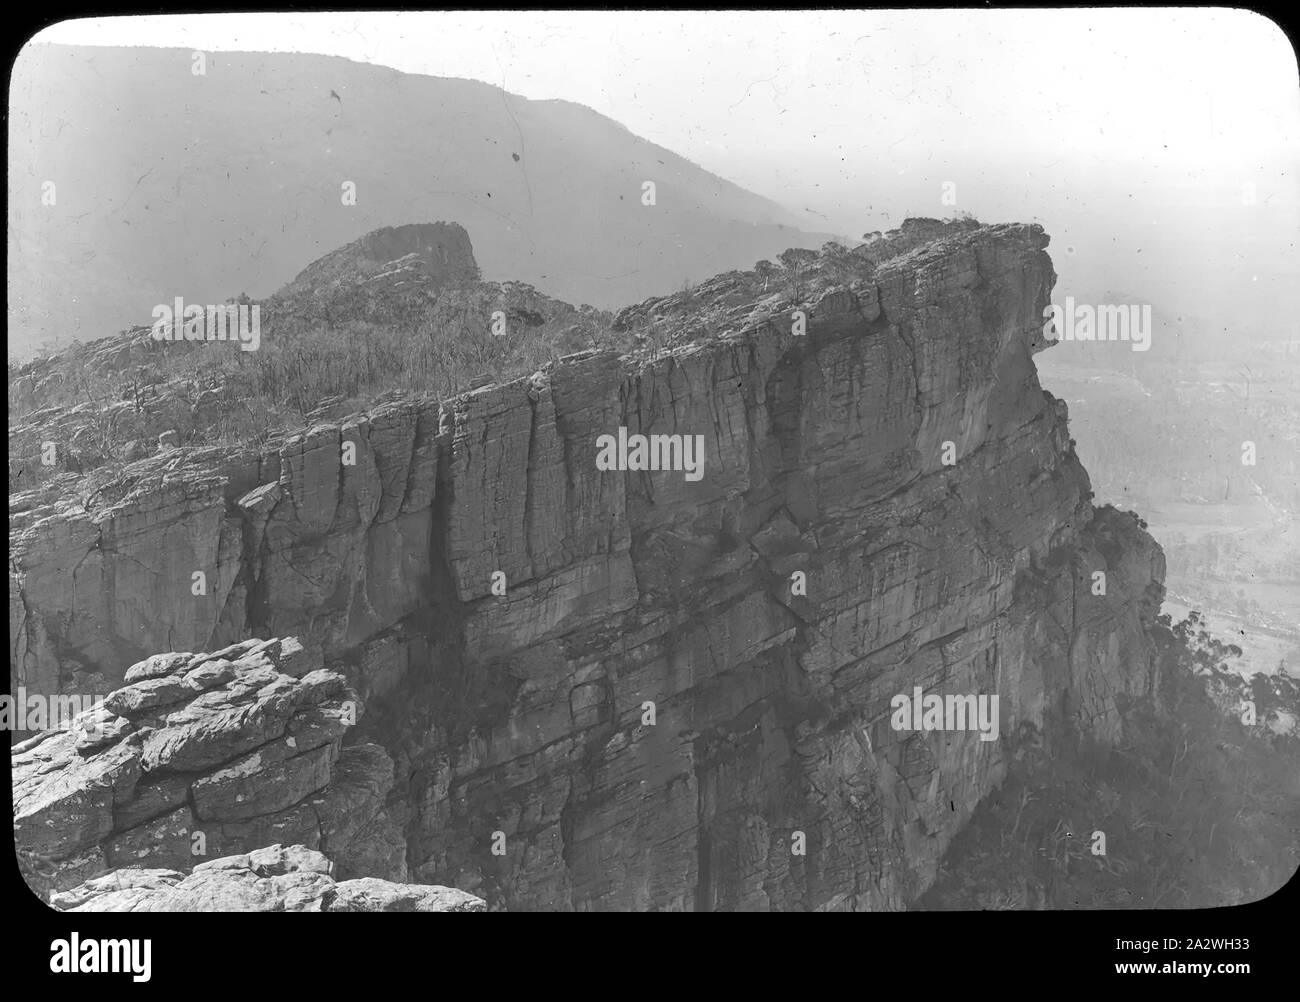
(204, 755)
(273, 879)
(650, 713)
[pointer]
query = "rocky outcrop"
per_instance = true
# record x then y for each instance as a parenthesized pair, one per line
(274, 879)
(76, 417)
(441, 250)
(204, 755)
(368, 278)
(604, 689)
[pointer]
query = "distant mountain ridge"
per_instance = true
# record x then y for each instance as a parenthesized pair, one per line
(170, 183)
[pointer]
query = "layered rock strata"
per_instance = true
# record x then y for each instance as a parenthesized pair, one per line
(651, 713)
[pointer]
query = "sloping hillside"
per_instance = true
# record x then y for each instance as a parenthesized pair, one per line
(167, 183)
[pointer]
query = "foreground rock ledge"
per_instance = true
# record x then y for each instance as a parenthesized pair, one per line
(274, 879)
(201, 756)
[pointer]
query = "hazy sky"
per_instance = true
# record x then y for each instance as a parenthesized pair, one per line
(812, 107)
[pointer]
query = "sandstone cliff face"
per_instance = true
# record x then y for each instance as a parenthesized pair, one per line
(521, 720)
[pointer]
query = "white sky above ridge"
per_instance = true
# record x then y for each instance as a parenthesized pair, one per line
(1179, 85)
